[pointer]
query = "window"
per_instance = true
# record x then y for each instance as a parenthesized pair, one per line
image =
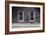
(20, 16)
(32, 17)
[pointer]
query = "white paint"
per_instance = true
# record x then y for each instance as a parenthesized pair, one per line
(2, 17)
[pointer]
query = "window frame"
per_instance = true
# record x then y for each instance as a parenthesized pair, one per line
(30, 17)
(19, 17)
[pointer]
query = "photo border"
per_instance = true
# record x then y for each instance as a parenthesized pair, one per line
(7, 16)
(25, 5)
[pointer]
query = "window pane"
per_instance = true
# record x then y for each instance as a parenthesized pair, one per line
(21, 18)
(32, 16)
(21, 15)
(32, 13)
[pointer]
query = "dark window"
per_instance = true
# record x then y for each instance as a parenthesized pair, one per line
(32, 16)
(21, 15)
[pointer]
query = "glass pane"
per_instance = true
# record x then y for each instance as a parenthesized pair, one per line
(21, 18)
(21, 15)
(32, 16)
(32, 13)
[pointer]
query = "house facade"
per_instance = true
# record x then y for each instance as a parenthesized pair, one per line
(27, 14)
